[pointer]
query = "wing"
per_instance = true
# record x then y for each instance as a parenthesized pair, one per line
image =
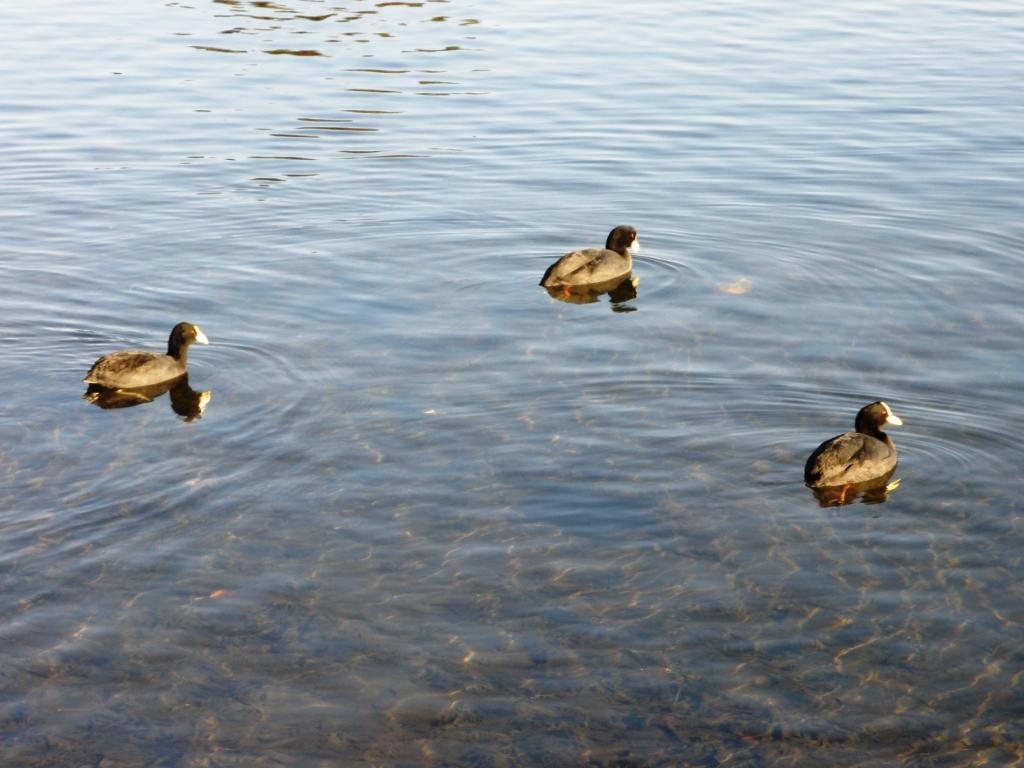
(129, 365)
(849, 457)
(580, 267)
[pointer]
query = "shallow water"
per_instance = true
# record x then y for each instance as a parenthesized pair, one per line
(431, 515)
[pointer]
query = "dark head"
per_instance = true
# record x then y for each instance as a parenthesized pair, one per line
(182, 335)
(622, 239)
(871, 418)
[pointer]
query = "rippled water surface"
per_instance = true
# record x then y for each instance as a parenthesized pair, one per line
(432, 515)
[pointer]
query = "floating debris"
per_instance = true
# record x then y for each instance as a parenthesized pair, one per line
(736, 288)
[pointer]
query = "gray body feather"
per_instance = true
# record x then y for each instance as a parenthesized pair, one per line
(590, 265)
(851, 457)
(134, 368)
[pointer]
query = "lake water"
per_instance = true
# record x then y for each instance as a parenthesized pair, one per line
(432, 515)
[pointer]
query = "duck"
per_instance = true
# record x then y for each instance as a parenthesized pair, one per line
(595, 265)
(866, 454)
(132, 369)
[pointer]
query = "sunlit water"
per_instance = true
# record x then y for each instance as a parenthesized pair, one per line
(432, 515)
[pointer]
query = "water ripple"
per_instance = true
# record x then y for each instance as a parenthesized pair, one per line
(265, 401)
(425, 496)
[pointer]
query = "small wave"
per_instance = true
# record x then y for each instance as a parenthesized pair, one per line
(660, 274)
(265, 400)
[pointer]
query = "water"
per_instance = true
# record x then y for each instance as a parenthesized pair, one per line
(431, 515)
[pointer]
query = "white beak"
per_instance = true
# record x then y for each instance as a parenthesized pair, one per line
(201, 337)
(892, 418)
(634, 247)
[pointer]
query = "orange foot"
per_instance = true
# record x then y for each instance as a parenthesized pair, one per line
(842, 494)
(566, 291)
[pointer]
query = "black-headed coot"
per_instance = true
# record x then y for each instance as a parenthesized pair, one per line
(133, 368)
(595, 265)
(855, 457)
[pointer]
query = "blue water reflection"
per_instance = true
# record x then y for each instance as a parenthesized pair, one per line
(434, 516)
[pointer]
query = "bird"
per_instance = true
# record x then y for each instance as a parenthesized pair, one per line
(131, 369)
(595, 265)
(855, 457)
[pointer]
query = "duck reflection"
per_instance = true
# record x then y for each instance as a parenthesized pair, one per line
(185, 401)
(619, 290)
(874, 491)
